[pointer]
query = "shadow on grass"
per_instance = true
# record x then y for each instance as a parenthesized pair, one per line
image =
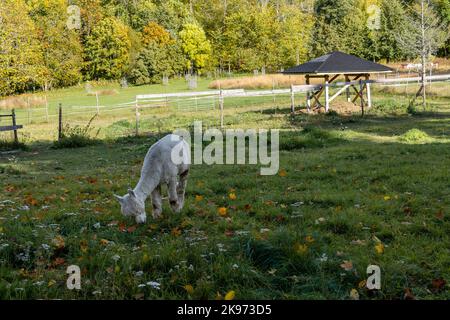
(434, 124)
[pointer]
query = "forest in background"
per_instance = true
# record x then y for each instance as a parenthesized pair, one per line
(47, 44)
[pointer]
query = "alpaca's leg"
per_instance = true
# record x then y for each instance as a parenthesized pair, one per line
(157, 202)
(173, 196)
(181, 188)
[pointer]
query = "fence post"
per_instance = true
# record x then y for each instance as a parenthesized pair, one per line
(46, 108)
(60, 122)
(136, 107)
(13, 116)
(28, 110)
(98, 107)
(347, 91)
(221, 108)
(274, 96)
(327, 96)
(361, 92)
(292, 99)
(369, 94)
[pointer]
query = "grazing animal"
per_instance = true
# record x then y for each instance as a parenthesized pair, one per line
(165, 162)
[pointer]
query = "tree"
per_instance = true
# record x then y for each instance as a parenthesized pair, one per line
(393, 21)
(161, 56)
(21, 61)
(171, 14)
(426, 35)
(295, 34)
(92, 13)
(327, 34)
(443, 7)
(195, 46)
(252, 39)
(135, 14)
(154, 32)
(156, 61)
(62, 52)
(107, 50)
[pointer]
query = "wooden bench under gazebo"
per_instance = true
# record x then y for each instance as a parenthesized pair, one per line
(332, 66)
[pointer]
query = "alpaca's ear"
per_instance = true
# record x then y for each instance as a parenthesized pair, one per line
(118, 198)
(131, 193)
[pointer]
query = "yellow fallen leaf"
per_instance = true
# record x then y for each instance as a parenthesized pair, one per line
(104, 242)
(83, 246)
(175, 231)
(379, 248)
(198, 198)
(309, 239)
(282, 173)
(200, 183)
(189, 289)
(145, 258)
(51, 283)
(153, 226)
(232, 196)
(362, 284)
(222, 211)
(58, 242)
(354, 295)
(117, 269)
(301, 248)
(230, 295)
(387, 198)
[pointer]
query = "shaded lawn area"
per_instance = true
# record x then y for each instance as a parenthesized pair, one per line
(349, 194)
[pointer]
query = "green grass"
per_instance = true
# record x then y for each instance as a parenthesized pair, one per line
(347, 183)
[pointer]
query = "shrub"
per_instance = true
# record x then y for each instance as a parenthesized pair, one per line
(411, 109)
(12, 145)
(415, 136)
(76, 136)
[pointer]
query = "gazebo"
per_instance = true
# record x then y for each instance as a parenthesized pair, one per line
(332, 66)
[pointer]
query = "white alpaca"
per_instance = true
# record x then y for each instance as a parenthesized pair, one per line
(166, 160)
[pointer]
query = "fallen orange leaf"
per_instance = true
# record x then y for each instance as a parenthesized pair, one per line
(131, 229)
(222, 211)
(347, 265)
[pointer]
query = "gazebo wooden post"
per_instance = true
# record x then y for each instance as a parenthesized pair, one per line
(347, 91)
(308, 95)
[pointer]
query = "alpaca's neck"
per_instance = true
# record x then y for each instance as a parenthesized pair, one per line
(148, 182)
(145, 187)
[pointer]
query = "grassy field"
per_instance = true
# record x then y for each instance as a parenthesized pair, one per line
(350, 192)
(239, 112)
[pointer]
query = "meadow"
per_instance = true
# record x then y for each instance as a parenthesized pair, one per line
(351, 192)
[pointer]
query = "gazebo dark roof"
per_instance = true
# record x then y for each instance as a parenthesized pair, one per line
(338, 63)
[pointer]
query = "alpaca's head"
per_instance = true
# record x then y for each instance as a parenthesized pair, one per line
(131, 206)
